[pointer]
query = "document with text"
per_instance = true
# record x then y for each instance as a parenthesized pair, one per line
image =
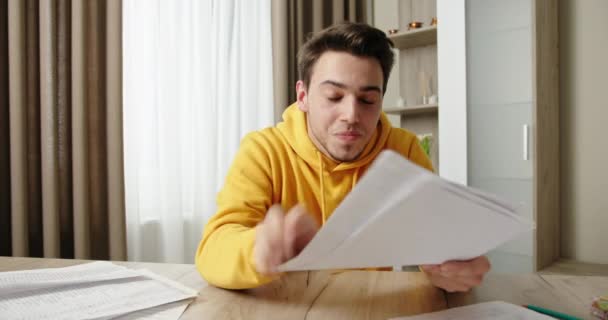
(98, 290)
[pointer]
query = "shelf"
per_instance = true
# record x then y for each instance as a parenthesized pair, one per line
(419, 109)
(415, 38)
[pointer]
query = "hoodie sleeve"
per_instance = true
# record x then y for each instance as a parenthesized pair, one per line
(225, 254)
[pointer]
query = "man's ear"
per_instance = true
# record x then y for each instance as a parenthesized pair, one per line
(302, 96)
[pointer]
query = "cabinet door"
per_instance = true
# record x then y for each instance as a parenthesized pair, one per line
(499, 112)
(499, 88)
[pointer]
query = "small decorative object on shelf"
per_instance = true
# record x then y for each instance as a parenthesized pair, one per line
(425, 87)
(432, 99)
(434, 21)
(414, 25)
(393, 31)
(426, 141)
(599, 307)
(400, 103)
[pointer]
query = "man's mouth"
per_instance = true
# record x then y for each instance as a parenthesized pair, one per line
(348, 135)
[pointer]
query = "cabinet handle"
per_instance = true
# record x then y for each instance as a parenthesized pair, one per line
(526, 154)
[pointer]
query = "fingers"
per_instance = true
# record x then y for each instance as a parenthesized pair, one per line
(280, 237)
(274, 225)
(449, 285)
(268, 248)
(469, 268)
(300, 228)
(261, 250)
(291, 227)
(430, 268)
(454, 284)
(458, 276)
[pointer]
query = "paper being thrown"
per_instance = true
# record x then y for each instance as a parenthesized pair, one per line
(401, 214)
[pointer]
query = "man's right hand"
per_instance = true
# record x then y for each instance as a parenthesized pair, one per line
(281, 237)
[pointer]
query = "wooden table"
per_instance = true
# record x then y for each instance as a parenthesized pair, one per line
(357, 294)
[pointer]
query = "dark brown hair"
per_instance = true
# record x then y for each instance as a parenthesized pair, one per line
(358, 39)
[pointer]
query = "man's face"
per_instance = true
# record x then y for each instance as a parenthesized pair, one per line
(343, 103)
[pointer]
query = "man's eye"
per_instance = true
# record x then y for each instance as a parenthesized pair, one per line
(366, 101)
(334, 99)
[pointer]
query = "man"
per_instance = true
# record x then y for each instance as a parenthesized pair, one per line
(286, 181)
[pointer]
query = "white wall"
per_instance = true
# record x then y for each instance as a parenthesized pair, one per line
(584, 122)
(452, 90)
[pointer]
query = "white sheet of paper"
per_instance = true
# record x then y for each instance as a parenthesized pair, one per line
(90, 300)
(170, 311)
(495, 310)
(17, 281)
(401, 214)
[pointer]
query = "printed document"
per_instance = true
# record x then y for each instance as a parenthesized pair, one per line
(98, 290)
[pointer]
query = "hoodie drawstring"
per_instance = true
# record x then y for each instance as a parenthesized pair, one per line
(321, 174)
(322, 183)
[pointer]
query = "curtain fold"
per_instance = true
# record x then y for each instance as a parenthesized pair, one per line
(5, 171)
(61, 129)
(292, 22)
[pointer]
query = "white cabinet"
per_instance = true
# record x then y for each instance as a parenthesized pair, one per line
(498, 120)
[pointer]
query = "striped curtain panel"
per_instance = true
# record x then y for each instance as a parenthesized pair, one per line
(61, 167)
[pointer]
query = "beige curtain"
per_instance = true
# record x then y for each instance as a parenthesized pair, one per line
(292, 22)
(61, 168)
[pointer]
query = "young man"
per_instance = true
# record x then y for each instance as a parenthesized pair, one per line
(286, 181)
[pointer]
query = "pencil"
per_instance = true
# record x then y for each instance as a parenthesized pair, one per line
(552, 313)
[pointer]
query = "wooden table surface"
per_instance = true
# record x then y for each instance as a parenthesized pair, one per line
(357, 294)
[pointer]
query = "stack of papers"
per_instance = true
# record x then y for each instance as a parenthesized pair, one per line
(495, 310)
(97, 290)
(402, 214)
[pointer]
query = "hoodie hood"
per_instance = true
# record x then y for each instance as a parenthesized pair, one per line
(295, 131)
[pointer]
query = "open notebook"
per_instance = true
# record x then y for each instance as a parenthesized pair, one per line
(401, 214)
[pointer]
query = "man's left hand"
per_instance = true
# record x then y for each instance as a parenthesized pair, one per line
(458, 276)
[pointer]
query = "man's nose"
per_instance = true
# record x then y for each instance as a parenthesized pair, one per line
(350, 110)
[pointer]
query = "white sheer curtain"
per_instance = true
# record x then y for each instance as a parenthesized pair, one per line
(197, 77)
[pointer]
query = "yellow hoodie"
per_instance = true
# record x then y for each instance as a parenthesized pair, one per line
(282, 165)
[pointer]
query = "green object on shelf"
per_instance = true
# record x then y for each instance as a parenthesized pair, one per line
(425, 143)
